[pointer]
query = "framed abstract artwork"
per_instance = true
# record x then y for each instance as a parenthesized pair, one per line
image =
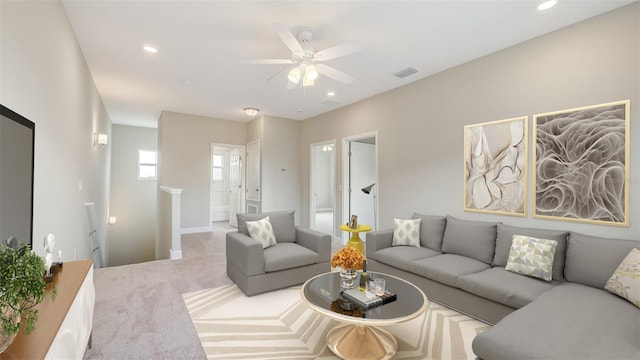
(581, 162)
(495, 167)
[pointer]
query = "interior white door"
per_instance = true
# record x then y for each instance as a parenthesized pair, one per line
(235, 186)
(363, 174)
(322, 207)
(220, 183)
(253, 172)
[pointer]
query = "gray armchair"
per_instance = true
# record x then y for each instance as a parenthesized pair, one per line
(298, 255)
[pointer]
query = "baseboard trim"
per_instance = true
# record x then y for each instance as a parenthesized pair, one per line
(175, 254)
(195, 230)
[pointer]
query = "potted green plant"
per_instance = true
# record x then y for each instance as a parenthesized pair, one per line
(22, 287)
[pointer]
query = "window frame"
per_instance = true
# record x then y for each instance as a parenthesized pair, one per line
(153, 164)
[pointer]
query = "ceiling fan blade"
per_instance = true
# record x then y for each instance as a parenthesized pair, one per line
(278, 72)
(291, 85)
(288, 38)
(269, 61)
(338, 51)
(333, 73)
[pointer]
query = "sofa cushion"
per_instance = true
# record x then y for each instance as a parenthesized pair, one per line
(504, 287)
(570, 321)
(261, 231)
(474, 239)
(288, 255)
(406, 232)
(592, 260)
(446, 268)
(625, 281)
(532, 257)
(505, 238)
(400, 256)
(283, 223)
(431, 230)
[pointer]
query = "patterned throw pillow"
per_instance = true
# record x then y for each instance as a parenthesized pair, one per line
(262, 231)
(532, 257)
(625, 281)
(406, 232)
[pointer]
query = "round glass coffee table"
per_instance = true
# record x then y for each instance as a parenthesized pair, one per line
(359, 337)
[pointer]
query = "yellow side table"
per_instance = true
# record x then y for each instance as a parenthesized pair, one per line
(355, 241)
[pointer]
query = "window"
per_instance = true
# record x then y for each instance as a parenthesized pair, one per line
(147, 165)
(218, 162)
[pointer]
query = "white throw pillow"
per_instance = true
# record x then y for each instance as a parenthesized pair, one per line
(625, 281)
(406, 232)
(532, 257)
(262, 231)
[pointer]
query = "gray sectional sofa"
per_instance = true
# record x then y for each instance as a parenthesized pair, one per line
(461, 264)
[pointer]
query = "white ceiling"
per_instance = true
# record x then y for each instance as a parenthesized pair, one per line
(202, 45)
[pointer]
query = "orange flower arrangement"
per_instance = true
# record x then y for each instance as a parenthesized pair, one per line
(348, 258)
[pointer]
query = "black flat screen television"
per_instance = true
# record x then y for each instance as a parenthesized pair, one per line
(17, 144)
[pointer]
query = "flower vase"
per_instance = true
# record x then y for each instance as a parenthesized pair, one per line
(7, 340)
(347, 278)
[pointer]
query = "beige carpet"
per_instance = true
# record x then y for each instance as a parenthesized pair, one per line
(278, 325)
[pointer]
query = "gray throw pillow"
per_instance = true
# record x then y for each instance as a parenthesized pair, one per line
(592, 260)
(504, 240)
(431, 230)
(474, 239)
(283, 223)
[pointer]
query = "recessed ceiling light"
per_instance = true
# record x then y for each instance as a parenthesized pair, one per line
(150, 49)
(186, 82)
(331, 93)
(546, 5)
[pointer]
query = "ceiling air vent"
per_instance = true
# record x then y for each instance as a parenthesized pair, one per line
(405, 72)
(330, 102)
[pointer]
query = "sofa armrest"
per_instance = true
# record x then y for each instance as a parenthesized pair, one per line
(245, 253)
(315, 241)
(378, 240)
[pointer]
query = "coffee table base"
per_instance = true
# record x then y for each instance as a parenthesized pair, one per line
(361, 342)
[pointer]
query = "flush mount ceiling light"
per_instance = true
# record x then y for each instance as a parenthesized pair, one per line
(546, 5)
(251, 111)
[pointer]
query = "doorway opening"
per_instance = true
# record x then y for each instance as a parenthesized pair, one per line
(227, 185)
(323, 187)
(360, 179)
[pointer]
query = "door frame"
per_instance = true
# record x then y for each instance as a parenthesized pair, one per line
(241, 193)
(312, 203)
(346, 190)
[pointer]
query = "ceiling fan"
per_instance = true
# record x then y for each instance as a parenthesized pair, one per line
(305, 63)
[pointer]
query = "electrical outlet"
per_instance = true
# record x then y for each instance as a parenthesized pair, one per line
(75, 254)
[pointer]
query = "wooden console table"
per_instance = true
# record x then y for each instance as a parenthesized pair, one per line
(64, 325)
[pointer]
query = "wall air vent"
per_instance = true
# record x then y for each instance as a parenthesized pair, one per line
(405, 72)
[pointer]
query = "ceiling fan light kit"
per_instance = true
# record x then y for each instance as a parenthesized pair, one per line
(305, 71)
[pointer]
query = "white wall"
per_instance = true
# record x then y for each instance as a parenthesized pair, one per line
(184, 155)
(420, 125)
(44, 77)
(280, 150)
(133, 201)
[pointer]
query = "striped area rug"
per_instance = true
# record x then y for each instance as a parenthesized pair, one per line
(278, 325)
